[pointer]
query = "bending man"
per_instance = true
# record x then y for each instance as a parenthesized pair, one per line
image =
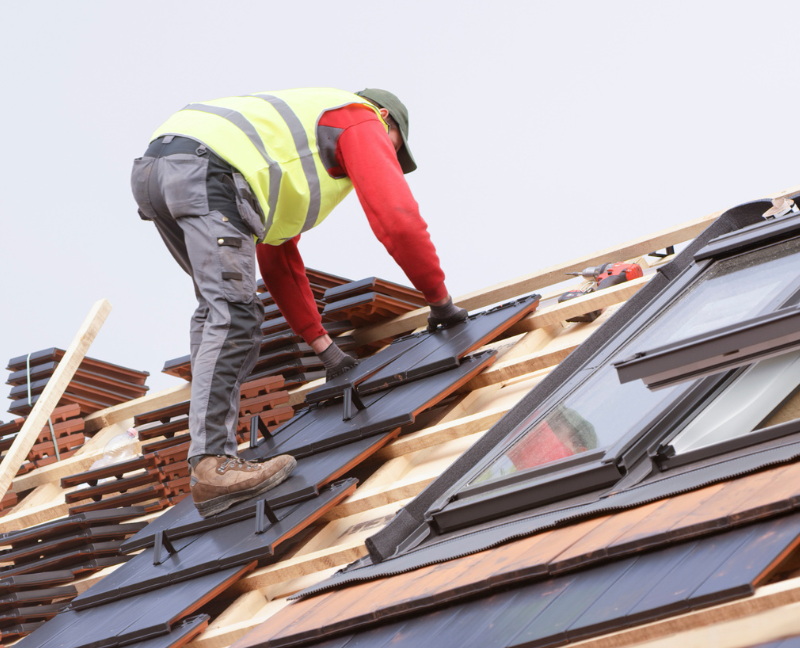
(220, 176)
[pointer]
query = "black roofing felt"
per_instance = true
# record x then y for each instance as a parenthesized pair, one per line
(322, 427)
(422, 354)
(595, 601)
(129, 620)
(213, 550)
(305, 481)
(411, 518)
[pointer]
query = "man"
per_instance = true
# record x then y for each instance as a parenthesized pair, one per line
(219, 176)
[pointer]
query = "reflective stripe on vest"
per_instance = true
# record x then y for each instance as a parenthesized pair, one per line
(272, 139)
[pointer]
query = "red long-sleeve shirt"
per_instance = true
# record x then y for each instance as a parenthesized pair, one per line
(366, 155)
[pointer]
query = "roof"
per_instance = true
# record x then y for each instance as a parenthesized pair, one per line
(402, 448)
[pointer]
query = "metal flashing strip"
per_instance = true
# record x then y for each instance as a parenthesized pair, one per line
(210, 551)
(666, 486)
(551, 610)
(137, 619)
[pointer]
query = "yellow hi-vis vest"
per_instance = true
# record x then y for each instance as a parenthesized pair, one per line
(272, 139)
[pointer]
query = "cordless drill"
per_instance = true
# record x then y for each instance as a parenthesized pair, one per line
(602, 276)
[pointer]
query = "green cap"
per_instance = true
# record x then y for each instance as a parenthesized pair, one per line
(398, 111)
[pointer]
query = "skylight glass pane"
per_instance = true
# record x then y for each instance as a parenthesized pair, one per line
(744, 404)
(601, 411)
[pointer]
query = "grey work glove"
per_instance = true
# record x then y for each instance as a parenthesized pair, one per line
(445, 315)
(336, 362)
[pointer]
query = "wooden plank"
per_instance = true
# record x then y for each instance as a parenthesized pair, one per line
(305, 565)
(79, 462)
(552, 354)
(503, 371)
(52, 393)
(223, 637)
(581, 305)
(111, 415)
(542, 278)
(441, 433)
(244, 607)
(404, 477)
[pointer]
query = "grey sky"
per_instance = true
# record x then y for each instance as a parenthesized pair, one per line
(543, 131)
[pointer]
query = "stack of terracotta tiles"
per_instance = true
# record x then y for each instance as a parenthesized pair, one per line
(369, 301)
(67, 435)
(159, 477)
(96, 384)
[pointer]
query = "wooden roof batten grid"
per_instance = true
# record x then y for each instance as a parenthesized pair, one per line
(406, 465)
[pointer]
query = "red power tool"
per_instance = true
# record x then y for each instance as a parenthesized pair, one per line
(602, 276)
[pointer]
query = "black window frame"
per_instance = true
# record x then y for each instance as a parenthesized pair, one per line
(465, 504)
(725, 348)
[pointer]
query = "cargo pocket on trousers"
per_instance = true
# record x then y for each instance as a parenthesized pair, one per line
(237, 254)
(246, 204)
(140, 177)
(182, 178)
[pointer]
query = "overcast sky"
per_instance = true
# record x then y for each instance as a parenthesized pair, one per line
(542, 130)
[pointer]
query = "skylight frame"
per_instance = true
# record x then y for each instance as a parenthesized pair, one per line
(470, 503)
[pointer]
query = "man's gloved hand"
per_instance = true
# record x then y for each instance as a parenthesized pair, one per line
(336, 362)
(445, 315)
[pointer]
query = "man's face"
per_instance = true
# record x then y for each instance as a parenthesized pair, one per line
(394, 130)
(394, 134)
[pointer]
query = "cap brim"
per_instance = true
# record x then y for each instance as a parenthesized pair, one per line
(404, 157)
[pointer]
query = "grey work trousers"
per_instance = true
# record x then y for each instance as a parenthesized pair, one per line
(170, 187)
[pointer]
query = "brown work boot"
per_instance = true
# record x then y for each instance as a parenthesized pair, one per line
(218, 482)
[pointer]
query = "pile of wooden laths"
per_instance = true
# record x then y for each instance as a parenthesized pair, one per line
(95, 385)
(59, 442)
(159, 476)
(40, 562)
(282, 352)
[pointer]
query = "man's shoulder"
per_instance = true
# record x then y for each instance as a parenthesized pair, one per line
(349, 115)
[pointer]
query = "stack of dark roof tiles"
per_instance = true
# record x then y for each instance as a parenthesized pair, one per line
(159, 477)
(369, 301)
(95, 385)
(67, 431)
(40, 562)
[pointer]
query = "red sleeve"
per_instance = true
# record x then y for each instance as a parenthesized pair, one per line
(367, 156)
(285, 277)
